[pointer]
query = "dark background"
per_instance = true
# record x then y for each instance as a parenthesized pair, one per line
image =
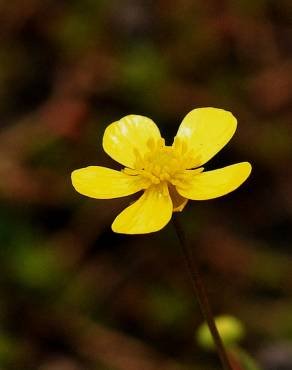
(75, 296)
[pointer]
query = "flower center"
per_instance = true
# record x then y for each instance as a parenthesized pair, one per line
(162, 163)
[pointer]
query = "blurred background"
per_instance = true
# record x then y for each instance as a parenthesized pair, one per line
(75, 296)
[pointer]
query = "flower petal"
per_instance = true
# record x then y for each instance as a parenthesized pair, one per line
(105, 183)
(205, 131)
(130, 135)
(178, 201)
(213, 184)
(148, 214)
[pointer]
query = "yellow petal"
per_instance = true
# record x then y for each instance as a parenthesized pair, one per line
(130, 135)
(105, 183)
(178, 201)
(213, 184)
(205, 131)
(148, 214)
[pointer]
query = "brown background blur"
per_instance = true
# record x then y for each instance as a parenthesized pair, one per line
(75, 296)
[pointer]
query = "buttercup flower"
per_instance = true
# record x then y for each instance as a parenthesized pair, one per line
(168, 175)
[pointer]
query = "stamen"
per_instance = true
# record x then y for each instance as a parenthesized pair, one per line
(155, 180)
(177, 182)
(156, 169)
(164, 164)
(165, 176)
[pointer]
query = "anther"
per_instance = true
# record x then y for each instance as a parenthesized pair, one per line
(156, 169)
(155, 180)
(165, 176)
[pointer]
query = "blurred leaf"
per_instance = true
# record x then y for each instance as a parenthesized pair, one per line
(143, 72)
(168, 307)
(36, 267)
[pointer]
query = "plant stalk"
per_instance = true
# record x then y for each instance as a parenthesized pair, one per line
(201, 293)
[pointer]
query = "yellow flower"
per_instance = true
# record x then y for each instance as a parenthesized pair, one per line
(169, 175)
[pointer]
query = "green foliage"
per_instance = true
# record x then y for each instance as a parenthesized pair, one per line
(36, 267)
(167, 307)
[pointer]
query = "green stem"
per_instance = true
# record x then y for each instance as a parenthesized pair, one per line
(201, 293)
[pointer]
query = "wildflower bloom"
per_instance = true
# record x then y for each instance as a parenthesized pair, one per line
(169, 175)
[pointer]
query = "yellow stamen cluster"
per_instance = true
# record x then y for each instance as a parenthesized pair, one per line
(162, 163)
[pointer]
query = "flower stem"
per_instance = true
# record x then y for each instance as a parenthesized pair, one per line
(201, 293)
